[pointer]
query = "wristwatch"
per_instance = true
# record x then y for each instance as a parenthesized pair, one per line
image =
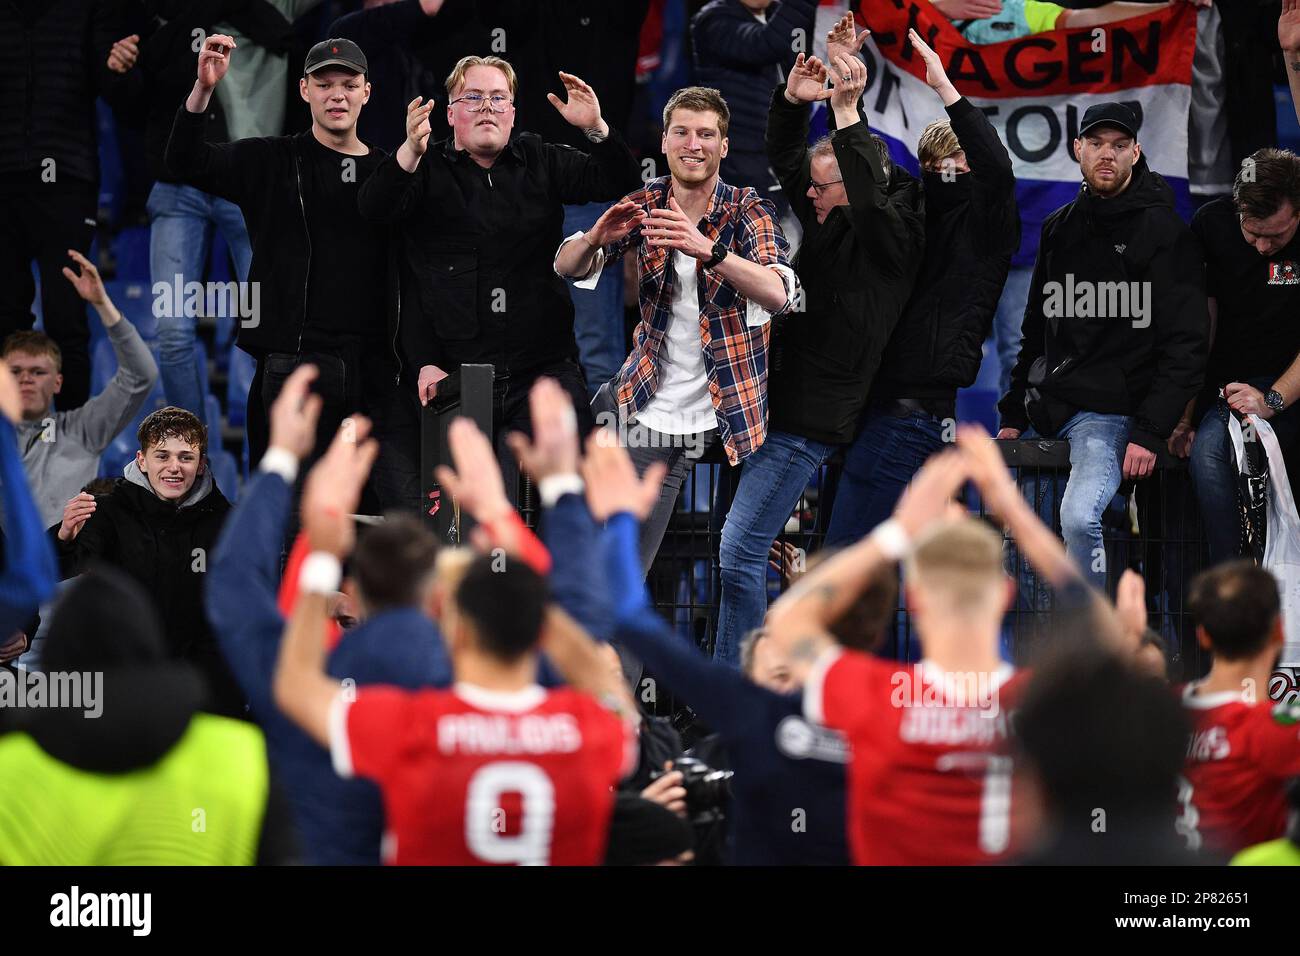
(719, 253)
(1274, 400)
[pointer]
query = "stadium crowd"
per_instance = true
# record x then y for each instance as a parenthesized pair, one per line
(295, 668)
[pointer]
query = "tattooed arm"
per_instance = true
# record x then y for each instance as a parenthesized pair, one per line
(799, 623)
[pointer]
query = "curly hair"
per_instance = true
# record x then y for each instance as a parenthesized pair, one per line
(173, 422)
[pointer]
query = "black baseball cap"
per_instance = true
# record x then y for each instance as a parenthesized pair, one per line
(338, 52)
(1109, 114)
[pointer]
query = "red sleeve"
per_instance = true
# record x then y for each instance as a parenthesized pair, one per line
(839, 690)
(289, 589)
(531, 550)
(1275, 740)
(368, 734)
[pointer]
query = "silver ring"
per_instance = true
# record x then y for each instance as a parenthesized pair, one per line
(846, 77)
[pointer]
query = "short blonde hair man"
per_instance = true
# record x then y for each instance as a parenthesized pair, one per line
(936, 144)
(457, 75)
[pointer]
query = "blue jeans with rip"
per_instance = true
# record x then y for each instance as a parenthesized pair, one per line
(183, 222)
(771, 481)
(1097, 446)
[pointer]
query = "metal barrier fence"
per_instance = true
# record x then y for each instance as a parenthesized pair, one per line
(1153, 526)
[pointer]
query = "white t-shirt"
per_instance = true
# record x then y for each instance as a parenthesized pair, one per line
(681, 404)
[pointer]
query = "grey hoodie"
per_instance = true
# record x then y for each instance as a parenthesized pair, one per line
(61, 452)
(198, 491)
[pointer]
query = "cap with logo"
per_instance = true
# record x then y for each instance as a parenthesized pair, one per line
(1109, 114)
(340, 52)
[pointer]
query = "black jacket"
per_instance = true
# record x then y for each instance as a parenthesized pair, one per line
(856, 269)
(972, 228)
(479, 247)
(166, 548)
(164, 72)
(263, 176)
(1115, 364)
(53, 56)
(745, 59)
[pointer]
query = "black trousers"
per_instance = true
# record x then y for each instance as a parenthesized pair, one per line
(350, 380)
(41, 222)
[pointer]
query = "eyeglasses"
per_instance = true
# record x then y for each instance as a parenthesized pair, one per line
(477, 102)
(822, 187)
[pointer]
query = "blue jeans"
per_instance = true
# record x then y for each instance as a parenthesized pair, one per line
(1097, 445)
(1214, 474)
(598, 312)
(183, 220)
(877, 467)
(771, 481)
(995, 372)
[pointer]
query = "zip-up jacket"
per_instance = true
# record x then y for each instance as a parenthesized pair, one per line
(263, 175)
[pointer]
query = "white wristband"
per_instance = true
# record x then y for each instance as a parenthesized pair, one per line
(280, 461)
(554, 487)
(892, 540)
(320, 573)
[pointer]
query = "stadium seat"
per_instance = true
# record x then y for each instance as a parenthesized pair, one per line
(225, 471)
(134, 299)
(131, 248)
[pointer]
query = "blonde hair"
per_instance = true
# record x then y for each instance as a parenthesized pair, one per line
(957, 566)
(700, 99)
(457, 75)
(937, 143)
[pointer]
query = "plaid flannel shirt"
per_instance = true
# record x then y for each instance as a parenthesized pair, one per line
(734, 332)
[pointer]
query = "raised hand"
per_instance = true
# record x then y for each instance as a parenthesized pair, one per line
(417, 125)
(86, 280)
(926, 499)
(673, 228)
(1131, 606)
(333, 487)
(11, 401)
(807, 81)
(615, 223)
(850, 79)
(554, 447)
(935, 75)
(842, 40)
(612, 484)
(295, 412)
(987, 469)
(124, 53)
(214, 59)
(476, 481)
(1288, 26)
(75, 514)
(582, 108)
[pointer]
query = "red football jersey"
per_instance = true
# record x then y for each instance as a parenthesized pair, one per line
(477, 777)
(1239, 758)
(930, 774)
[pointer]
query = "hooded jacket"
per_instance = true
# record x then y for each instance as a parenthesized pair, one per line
(166, 548)
(972, 228)
(1084, 347)
(147, 738)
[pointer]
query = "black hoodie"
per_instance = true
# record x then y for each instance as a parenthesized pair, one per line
(1147, 366)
